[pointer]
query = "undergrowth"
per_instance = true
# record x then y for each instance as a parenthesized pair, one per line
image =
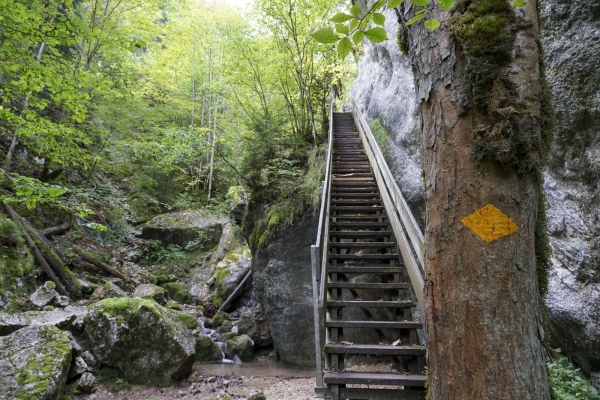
(566, 382)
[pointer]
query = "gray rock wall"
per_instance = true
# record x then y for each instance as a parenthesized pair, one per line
(571, 43)
(282, 273)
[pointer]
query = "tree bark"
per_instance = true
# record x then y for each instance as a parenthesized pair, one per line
(483, 310)
(56, 230)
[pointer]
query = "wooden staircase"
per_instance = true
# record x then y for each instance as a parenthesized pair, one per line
(366, 306)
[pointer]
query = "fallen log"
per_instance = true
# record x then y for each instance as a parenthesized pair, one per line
(62, 270)
(237, 290)
(56, 230)
(36, 252)
(99, 264)
(48, 242)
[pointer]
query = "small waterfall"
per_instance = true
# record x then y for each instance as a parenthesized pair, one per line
(253, 302)
(214, 335)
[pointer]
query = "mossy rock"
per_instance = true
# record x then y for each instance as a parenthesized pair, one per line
(207, 350)
(142, 339)
(189, 321)
(242, 346)
(152, 292)
(178, 292)
(229, 335)
(218, 318)
(34, 363)
(225, 326)
(173, 305)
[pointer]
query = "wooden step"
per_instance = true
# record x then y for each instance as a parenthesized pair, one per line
(375, 324)
(370, 304)
(356, 208)
(348, 257)
(361, 245)
(389, 350)
(373, 378)
(359, 234)
(359, 225)
(345, 217)
(356, 201)
(374, 394)
(347, 195)
(366, 270)
(362, 285)
(355, 185)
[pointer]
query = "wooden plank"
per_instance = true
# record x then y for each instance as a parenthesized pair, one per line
(374, 349)
(370, 304)
(381, 394)
(366, 270)
(362, 285)
(363, 256)
(356, 201)
(371, 378)
(375, 324)
(356, 208)
(361, 245)
(359, 225)
(317, 320)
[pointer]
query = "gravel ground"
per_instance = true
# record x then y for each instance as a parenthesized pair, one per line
(276, 382)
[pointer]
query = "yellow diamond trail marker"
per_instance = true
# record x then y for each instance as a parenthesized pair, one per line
(489, 223)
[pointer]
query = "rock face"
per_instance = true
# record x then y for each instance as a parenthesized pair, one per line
(44, 295)
(283, 277)
(69, 318)
(153, 292)
(384, 89)
(34, 363)
(571, 42)
(140, 338)
(183, 227)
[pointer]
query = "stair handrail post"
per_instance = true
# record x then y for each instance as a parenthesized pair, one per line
(319, 254)
(407, 232)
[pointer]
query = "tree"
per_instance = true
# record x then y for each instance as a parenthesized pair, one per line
(483, 123)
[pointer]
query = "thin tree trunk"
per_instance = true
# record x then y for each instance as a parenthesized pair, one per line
(212, 150)
(99, 264)
(483, 310)
(15, 140)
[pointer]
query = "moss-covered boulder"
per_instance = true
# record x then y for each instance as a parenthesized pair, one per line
(184, 228)
(218, 318)
(153, 292)
(254, 324)
(34, 363)
(140, 338)
(179, 292)
(242, 346)
(44, 295)
(189, 321)
(207, 350)
(231, 270)
(225, 326)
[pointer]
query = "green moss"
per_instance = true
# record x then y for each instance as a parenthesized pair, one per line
(216, 299)
(566, 382)
(16, 261)
(207, 350)
(229, 335)
(178, 292)
(116, 306)
(483, 28)
(189, 321)
(218, 319)
(402, 41)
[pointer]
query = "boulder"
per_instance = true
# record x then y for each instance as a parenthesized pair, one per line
(218, 319)
(256, 395)
(44, 295)
(34, 363)
(283, 277)
(207, 350)
(254, 324)
(79, 367)
(68, 318)
(242, 346)
(179, 292)
(153, 292)
(181, 228)
(140, 338)
(112, 290)
(231, 270)
(86, 383)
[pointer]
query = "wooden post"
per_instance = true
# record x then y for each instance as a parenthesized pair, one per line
(314, 253)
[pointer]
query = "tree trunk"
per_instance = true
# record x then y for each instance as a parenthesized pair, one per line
(483, 319)
(99, 264)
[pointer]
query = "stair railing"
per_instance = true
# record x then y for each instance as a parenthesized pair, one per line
(319, 255)
(407, 232)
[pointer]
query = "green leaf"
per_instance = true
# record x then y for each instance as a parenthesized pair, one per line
(355, 10)
(432, 24)
(415, 19)
(394, 3)
(358, 37)
(376, 35)
(379, 19)
(420, 2)
(447, 4)
(340, 17)
(140, 43)
(378, 5)
(519, 3)
(341, 28)
(354, 23)
(325, 35)
(344, 47)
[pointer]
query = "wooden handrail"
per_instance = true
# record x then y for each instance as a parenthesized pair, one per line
(319, 254)
(407, 232)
